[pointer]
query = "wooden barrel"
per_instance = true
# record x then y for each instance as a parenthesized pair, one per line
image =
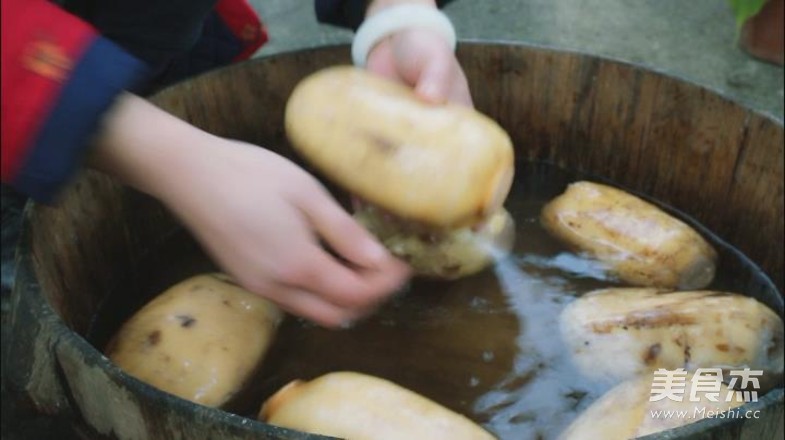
(680, 143)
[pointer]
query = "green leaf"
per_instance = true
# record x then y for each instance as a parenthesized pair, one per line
(745, 9)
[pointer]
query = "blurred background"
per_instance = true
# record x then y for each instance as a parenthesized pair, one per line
(691, 39)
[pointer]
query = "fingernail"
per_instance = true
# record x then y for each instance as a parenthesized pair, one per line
(430, 92)
(375, 252)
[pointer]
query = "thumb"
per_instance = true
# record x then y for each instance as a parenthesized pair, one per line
(433, 83)
(424, 61)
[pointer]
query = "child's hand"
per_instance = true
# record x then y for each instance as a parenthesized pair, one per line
(259, 215)
(421, 59)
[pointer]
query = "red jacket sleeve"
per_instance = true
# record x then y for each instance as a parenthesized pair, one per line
(58, 78)
(242, 21)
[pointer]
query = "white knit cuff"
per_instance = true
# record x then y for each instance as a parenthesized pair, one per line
(395, 18)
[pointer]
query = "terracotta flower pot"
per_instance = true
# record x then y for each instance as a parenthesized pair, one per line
(762, 35)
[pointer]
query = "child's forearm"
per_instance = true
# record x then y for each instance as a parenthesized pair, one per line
(146, 147)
